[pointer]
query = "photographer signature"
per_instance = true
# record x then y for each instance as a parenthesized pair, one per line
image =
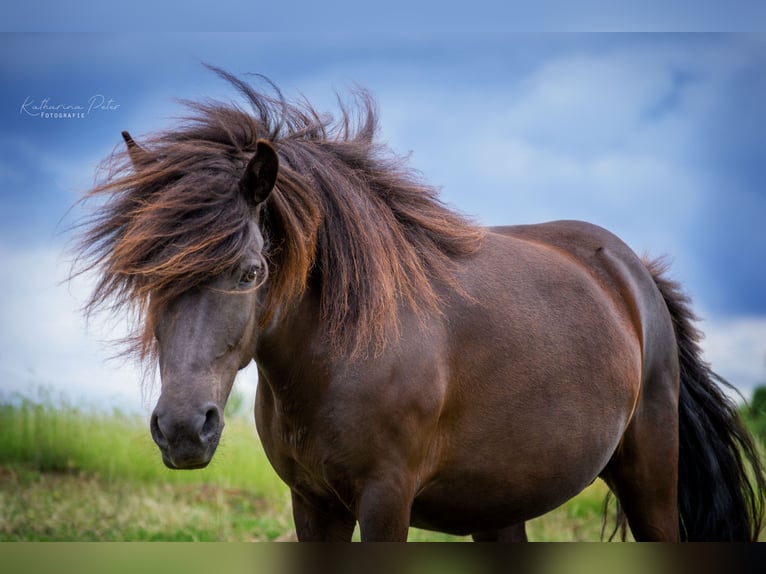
(45, 108)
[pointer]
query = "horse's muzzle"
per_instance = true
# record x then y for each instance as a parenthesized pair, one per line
(187, 439)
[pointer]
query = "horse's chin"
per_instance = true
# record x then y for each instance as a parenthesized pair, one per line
(186, 463)
(188, 456)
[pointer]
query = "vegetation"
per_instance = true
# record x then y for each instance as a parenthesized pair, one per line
(72, 474)
(68, 473)
(754, 414)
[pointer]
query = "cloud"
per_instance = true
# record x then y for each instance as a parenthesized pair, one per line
(627, 135)
(736, 349)
(568, 139)
(585, 102)
(43, 340)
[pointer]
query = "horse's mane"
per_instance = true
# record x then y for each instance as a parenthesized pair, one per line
(346, 218)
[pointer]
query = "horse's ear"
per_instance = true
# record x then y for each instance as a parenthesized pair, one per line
(135, 152)
(260, 174)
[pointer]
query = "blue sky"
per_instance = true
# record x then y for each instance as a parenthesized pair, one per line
(657, 137)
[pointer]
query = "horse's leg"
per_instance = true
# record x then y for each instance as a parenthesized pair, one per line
(643, 473)
(384, 512)
(515, 533)
(322, 521)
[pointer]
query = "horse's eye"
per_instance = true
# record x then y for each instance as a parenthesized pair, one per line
(249, 275)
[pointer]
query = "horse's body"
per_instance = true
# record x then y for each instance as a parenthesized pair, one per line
(570, 306)
(495, 375)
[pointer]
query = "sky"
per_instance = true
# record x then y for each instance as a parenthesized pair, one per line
(657, 137)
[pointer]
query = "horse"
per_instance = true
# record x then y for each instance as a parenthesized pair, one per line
(414, 367)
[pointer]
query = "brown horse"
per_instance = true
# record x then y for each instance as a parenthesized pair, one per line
(414, 368)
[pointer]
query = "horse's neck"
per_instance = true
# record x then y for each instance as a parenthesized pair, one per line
(291, 351)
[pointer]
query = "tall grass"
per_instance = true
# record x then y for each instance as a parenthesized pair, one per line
(69, 472)
(56, 436)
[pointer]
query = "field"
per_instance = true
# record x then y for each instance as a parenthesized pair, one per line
(69, 474)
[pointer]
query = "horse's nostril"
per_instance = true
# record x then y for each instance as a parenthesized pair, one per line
(157, 434)
(211, 426)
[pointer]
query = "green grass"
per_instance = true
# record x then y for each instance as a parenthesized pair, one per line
(78, 507)
(116, 447)
(68, 473)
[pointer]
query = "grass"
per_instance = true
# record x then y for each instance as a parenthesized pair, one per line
(68, 473)
(74, 474)
(62, 438)
(37, 506)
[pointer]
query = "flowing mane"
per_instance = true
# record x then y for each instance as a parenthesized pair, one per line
(346, 218)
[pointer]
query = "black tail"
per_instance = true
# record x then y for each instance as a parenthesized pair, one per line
(721, 480)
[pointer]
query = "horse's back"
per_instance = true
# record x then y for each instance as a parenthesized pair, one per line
(622, 275)
(597, 250)
(581, 269)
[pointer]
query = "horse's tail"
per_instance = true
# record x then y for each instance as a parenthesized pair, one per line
(721, 479)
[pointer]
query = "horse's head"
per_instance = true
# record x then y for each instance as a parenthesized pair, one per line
(207, 333)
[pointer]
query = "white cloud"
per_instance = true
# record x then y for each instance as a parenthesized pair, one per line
(571, 139)
(736, 349)
(584, 101)
(616, 136)
(44, 340)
